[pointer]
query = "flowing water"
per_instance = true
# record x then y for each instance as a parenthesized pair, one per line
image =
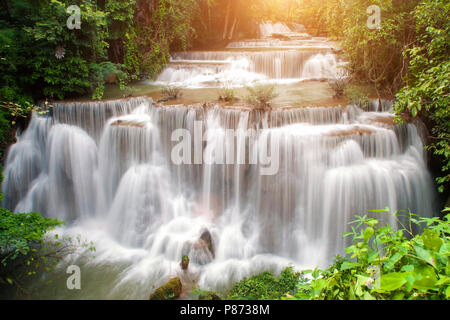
(294, 58)
(107, 169)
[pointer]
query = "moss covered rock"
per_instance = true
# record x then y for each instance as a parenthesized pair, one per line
(209, 296)
(170, 291)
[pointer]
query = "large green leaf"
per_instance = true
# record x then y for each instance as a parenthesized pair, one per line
(392, 281)
(425, 255)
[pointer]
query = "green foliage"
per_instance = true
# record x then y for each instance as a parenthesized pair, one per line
(199, 294)
(357, 95)
(20, 232)
(21, 240)
(158, 27)
(41, 58)
(261, 96)
(171, 92)
(266, 286)
(339, 83)
(227, 95)
(26, 248)
(171, 290)
(103, 72)
(388, 264)
(426, 93)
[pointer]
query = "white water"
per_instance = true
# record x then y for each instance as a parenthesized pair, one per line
(105, 168)
(296, 58)
(143, 212)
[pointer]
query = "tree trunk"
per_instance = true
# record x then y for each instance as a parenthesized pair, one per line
(6, 4)
(227, 19)
(233, 27)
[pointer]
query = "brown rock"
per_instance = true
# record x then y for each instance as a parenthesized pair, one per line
(170, 291)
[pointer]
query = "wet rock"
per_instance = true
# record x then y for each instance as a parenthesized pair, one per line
(184, 262)
(201, 251)
(209, 296)
(170, 291)
(207, 239)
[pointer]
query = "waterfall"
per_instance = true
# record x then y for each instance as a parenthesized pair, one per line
(268, 28)
(296, 57)
(123, 191)
(145, 181)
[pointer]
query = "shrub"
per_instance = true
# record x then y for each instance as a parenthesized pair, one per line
(171, 92)
(388, 264)
(357, 96)
(426, 92)
(266, 286)
(339, 83)
(261, 96)
(25, 249)
(227, 95)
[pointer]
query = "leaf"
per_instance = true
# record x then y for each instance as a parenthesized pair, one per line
(392, 281)
(368, 296)
(385, 210)
(425, 255)
(316, 273)
(362, 281)
(431, 240)
(398, 296)
(425, 283)
(444, 280)
(393, 260)
(407, 268)
(349, 265)
(368, 233)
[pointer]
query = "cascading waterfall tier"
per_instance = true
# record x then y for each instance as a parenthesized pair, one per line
(293, 58)
(107, 169)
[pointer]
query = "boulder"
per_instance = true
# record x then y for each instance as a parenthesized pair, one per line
(170, 291)
(209, 296)
(184, 262)
(207, 239)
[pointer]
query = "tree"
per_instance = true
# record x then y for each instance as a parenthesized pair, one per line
(426, 92)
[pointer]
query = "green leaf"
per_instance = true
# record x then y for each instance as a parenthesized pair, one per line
(349, 265)
(392, 281)
(431, 240)
(425, 255)
(398, 296)
(368, 296)
(444, 280)
(368, 233)
(425, 283)
(393, 260)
